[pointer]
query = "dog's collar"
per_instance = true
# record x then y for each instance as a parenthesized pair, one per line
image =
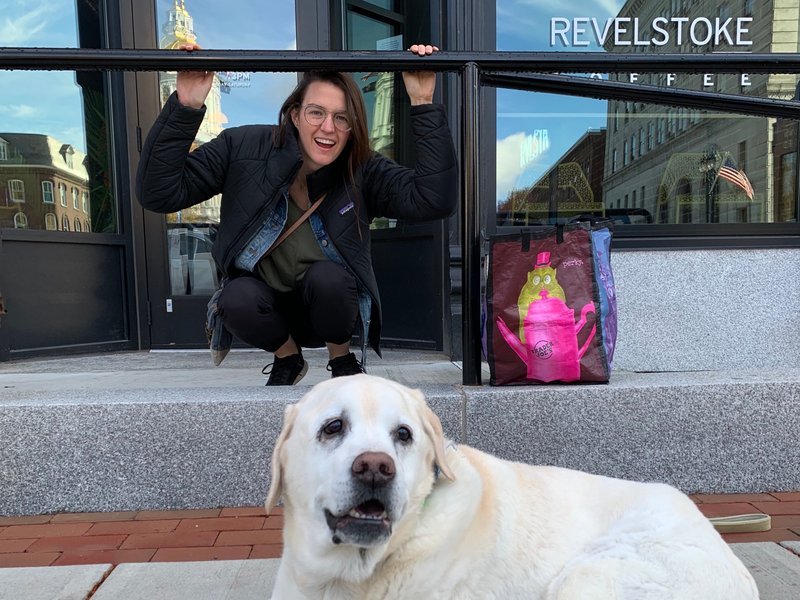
(451, 445)
(437, 472)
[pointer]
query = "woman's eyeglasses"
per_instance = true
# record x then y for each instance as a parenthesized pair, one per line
(316, 115)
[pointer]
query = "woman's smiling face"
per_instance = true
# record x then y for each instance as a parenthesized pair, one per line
(321, 144)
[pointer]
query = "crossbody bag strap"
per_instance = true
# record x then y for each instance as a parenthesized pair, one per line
(296, 224)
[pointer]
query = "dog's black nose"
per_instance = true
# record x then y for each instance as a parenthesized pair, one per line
(373, 468)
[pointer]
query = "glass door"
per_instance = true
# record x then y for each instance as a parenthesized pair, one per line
(63, 258)
(408, 259)
(183, 275)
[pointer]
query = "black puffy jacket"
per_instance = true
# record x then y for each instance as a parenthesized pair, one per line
(251, 173)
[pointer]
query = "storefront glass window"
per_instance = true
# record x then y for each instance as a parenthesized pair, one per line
(375, 26)
(365, 33)
(387, 4)
(53, 124)
(236, 98)
(560, 156)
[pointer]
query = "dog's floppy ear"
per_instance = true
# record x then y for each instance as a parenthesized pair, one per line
(433, 429)
(276, 485)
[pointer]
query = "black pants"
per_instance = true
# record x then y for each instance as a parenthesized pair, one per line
(324, 308)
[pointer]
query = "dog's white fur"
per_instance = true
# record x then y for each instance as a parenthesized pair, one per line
(467, 525)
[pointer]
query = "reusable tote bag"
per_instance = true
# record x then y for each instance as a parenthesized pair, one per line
(551, 305)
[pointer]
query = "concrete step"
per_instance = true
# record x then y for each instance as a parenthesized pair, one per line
(150, 431)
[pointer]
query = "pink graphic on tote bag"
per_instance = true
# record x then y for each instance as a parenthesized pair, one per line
(550, 350)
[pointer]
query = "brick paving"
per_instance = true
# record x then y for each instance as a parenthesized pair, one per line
(146, 536)
(247, 532)
(783, 507)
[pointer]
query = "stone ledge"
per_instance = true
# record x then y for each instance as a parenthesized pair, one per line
(168, 448)
(711, 432)
(174, 448)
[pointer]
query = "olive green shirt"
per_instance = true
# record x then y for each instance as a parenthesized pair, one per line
(283, 268)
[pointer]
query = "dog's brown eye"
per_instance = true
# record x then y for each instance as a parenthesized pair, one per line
(333, 427)
(403, 434)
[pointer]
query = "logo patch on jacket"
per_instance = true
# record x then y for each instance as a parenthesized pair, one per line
(345, 208)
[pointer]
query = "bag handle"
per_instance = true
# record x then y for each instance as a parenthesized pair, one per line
(295, 225)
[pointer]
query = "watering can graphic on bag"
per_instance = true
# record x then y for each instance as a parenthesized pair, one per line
(550, 351)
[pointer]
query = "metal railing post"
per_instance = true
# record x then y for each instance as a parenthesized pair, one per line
(470, 227)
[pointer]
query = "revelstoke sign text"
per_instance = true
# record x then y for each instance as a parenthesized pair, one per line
(661, 31)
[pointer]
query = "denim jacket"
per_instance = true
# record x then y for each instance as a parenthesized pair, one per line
(220, 340)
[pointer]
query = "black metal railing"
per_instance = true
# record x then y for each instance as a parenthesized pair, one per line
(77, 59)
(476, 69)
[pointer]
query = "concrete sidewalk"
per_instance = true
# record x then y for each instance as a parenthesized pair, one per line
(775, 568)
(162, 370)
(207, 580)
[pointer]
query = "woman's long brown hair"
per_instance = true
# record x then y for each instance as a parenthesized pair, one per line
(357, 150)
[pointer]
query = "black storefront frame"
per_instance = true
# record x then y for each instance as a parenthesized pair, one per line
(121, 241)
(477, 70)
(400, 328)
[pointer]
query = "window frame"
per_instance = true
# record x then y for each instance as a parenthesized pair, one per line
(45, 184)
(12, 192)
(20, 220)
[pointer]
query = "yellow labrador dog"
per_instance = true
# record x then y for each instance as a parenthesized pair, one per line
(378, 506)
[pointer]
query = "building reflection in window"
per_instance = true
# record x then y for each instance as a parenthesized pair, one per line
(707, 171)
(236, 98)
(386, 108)
(35, 164)
(659, 164)
(54, 135)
